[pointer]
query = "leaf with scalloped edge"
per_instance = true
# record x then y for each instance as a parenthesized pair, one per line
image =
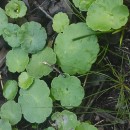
(10, 34)
(65, 120)
(25, 80)
(76, 56)
(60, 22)
(15, 8)
(5, 125)
(17, 60)
(33, 37)
(11, 111)
(10, 89)
(37, 67)
(64, 87)
(104, 15)
(35, 102)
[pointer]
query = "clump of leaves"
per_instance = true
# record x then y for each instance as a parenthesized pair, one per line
(83, 5)
(10, 89)
(25, 80)
(11, 111)
(104, 15)
(3, 20)
(15, 8)
(65, 120)
(33, 37)
(40, 63)
(76, 56)
(60, 22)
(64, 87)
(35, 102)
(5, 125)
(17, 60)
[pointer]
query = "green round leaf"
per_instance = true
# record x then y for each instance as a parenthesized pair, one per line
(105, 15)
(65, 120)
(15, 8)
(17, 60)
(10, 34)
(60, 22)
(33, 37)
(24, 80)
(83, 5)
(70, 86)
(3, 20)
(76, 56)
(40, 63)
(10, 89)
(35, 102)
(86, 126)
(49, 128)
(5, 125)
(11, 111)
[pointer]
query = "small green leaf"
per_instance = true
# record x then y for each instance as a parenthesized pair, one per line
(24, 80)
(5, 125)
(10, 89)
(86, 126)
(65, 120)
(33, 37)
(104, 15)
(11, 111)
(76, 56)
(37, 66)
(49, 128)
(35, 102)
(15, 8)
(70, 86)
(3, 20)
(10, 34)
(60, 22)
(17, 60)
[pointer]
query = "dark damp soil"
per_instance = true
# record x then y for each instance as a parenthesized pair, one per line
(107, 87)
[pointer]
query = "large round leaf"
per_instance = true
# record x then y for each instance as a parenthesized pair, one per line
(5, 125)
(68, 90)
(11, 111)
(65, 120)
(3, 20)
(15, 8)
(104, 15)
(33, 37)
(76, 56)
(37, 66)
(17, 60)
(10, 89)
(10, 34)
(35, 102)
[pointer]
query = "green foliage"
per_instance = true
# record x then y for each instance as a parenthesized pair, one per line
(86, 126)
(83, 5)
(65, 120)
(5, 125)
(10, 89)
(10, 34)
(49, 128)
(35, 102)
(104, 15)
(24, 80)
(70, 86)
(3, 20)
(11, 111)
(60, 22)
(17, 60)
(15, 9)
(76, 56)
(33, 37)
(37, 66)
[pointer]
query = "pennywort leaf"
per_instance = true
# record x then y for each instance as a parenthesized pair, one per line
(15, 8)
(5, 125)
(17, 60)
